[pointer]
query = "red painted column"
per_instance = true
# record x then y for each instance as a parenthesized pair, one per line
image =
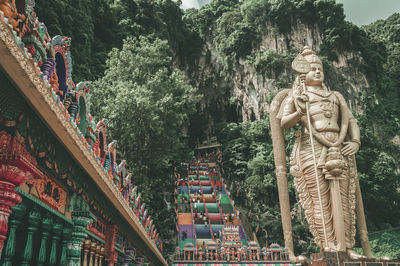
(10, 177)
(16, 166)
(110, 253)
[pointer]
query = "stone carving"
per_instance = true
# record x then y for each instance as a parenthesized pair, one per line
(51, 192)
(322, 160)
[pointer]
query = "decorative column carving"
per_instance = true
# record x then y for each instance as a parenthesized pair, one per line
(97, 254)
(33, 222)
(47, 222)
(66, 233)
(81, 217)
(16, 165)
(102, 250)
(16, 218)
(10, 177)
(57, 229)
(110, 253)
(86, 249)
(80, 220)
(92, 252)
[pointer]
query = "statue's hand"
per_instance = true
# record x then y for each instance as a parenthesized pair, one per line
(350, 148)
(301, 102)
(302, 78)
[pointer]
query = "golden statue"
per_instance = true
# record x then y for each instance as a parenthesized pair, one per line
(322, 160)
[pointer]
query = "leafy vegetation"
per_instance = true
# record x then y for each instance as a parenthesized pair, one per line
(147, 105)
(270, 63)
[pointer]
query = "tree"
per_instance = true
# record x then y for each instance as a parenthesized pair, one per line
(147, 103)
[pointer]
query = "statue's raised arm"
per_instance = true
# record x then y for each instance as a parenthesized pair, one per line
(322, 160)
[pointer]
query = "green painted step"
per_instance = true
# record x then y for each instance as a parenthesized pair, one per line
(225, 199)
(226, 208)
(183, 195)
(200, 207)
(203, 177)
(212, 207)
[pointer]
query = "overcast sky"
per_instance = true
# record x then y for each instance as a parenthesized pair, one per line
(363, 12)
(360, 12)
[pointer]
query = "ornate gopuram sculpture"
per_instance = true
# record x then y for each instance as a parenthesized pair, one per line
(322, 161)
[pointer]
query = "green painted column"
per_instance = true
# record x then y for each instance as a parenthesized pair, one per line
(47, 222)
(33, 222)
(56, 231)
(66, 234)
(80, 220)
(14, 221)
(81, 217)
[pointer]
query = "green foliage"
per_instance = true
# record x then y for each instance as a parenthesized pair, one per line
(233, 38)
(270, 62)
(256, 13)
(377, 169)
(97, 26)
(281, 14)
(147, 105)
(385, 97)
(386, 243)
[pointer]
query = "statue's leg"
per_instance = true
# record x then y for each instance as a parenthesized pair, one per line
(306, 186)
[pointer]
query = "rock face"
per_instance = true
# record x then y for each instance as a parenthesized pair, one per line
(250, 90)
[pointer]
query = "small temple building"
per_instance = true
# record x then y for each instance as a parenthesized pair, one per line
(65, 196)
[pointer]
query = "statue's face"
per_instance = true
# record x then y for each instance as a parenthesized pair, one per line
(316, 76)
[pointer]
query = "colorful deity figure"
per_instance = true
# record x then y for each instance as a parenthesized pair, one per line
(11, 13)
(137, 202)
(322, 160)
(132, 196)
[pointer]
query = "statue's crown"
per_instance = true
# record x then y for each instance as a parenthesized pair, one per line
(310, 55)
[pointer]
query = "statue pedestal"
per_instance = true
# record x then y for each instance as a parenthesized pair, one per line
(341, 258)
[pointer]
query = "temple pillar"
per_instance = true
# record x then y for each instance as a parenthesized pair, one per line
(17, 216)
(66, 233)
(80, 220)
(34, 218)
(56, 232)
(81, 217)
(10, 177)
(110, 253)
(97, 254)
(86, 249)
(101, 256)
(93, 246)
(47, 222)
(16, 165)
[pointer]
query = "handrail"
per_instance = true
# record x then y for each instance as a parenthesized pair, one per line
(208, 217)
(194, 227)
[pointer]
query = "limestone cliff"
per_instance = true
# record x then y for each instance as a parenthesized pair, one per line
(244, 92)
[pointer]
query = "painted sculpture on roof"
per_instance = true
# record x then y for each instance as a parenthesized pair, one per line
(322, 160)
